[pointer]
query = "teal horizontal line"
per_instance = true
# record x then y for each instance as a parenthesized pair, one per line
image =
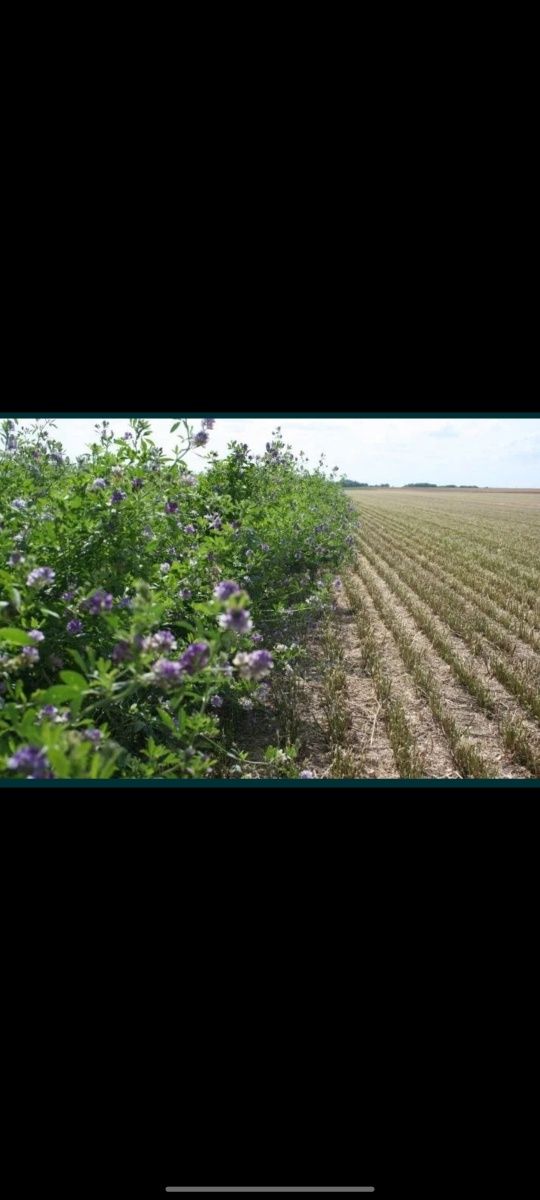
(275, 783)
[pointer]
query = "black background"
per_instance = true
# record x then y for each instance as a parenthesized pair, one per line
(238, 988)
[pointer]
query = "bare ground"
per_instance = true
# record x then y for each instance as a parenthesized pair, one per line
(481, 731)
(430, 739)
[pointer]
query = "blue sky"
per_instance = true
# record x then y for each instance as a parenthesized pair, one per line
(489, 452)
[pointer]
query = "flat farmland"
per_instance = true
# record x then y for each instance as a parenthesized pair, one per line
(441, 614)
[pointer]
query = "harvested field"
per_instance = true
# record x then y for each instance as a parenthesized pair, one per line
(441, 617)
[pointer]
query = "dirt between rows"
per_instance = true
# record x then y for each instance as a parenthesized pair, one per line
(476, 726)
(429, 739)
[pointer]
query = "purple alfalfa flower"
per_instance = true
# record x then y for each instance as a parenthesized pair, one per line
(100, 601)
(56, 457)
(166, 671)
(127, 437)
(92, 735)
(40, 577)
(31, 654)
(48, 710)
(185, 593)
(32, 760)
(208, 422)
(226, 588)
(75, 626)
(125, 602)
(307, 775)
(162, 640)
(98, 484)
(164, 568)
(216, 702)
(137, 483)
(200, 438)
(171, 506)
(216, 522)
(195, 658)
(189, 529)
(260, 663)
(255, 665)
(68, 595)
(117, 496)
(337, 584)
(263, 693)
(36, 635)
(15, 559)
(256, 638)
(236, 620)
(120, 652)
(19, 504)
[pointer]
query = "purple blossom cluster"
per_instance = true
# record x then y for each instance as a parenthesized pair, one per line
(74, 626)
(31, 654)
(32, 760)
(208, 422)
(189, 529)
(236, 620)
(200, 438)
(162, 640)
(120, 652)
(255, 665)
(100, 601)
(40, 577)
(167, 670)
(98, 484)
(117, 496)
(195, 658)
(171, 506)
(226, 588)
(137, 483)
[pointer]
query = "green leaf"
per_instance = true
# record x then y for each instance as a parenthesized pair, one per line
(17, 636)
(76, 681)
(167, 719)
(50, 613)
(15, 598)
(59, 693)
(175, 426)
(58, 761)
(75, 655)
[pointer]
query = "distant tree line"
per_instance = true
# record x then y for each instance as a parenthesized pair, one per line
(352, 483)
(442, 485)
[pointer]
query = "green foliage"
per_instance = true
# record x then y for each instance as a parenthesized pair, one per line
(138, 546)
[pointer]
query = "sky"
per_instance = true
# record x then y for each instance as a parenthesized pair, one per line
(488, 452)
